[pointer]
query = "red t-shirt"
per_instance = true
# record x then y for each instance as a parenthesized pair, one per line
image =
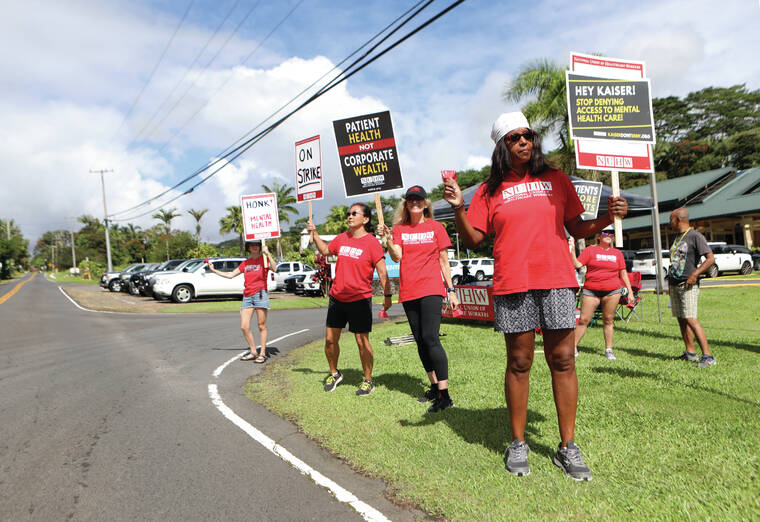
(255, 275)
(421, 246)
(527, 216)
(357, 258)
(602, 268)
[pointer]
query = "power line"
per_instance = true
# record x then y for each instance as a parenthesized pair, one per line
(203, 72)
(187, 72)
(238, 151)
(155, 68)
(220, 156)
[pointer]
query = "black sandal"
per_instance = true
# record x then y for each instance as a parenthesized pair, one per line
(260, 359)
(248, 357)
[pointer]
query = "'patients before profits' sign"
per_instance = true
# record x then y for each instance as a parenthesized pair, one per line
(368, 155)
(609, 109)
(308, 169)
(590, 194)
(260, 217)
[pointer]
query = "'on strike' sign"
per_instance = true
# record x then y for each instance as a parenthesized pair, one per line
(308, 169)
(260, 217)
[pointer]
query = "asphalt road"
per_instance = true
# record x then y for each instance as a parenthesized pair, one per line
(109, 416)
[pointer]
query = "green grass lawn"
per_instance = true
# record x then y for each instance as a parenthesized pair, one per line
(65, 277)
(664, 439)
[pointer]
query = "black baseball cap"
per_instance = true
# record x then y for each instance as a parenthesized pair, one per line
(416, 191)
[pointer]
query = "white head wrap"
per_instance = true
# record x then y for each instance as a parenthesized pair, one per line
(506, 123)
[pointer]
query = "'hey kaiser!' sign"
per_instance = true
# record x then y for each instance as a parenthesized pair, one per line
(368, 155)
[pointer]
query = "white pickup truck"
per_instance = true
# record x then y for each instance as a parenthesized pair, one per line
(287, 269)
(195, 280)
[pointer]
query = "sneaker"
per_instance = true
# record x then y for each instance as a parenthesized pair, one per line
(609, 355)
(688, 356)
(333, 381)
(365, 388)
(430, 395)
(575, 352)
(706, 360)
(516, 458)
(571, 462)
(441, 403)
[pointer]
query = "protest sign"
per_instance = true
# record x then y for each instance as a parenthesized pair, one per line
(309, 169)
(610, 109)
(590, 194)
(260, 217)
(368, 155)
(475, 302)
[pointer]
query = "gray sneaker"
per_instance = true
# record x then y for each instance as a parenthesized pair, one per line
(609, 355)
(571, 462)
(333, 381)
(516, 458)
(706, 360)
(365, 388)
(688, 356)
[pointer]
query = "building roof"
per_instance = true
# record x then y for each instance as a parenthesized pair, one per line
(739, 193)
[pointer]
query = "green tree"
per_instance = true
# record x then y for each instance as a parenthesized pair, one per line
(285, 205)
(166, 217)
(13, 249)
(335, 221)
(233, 222)
(197, 215)
(544, 82)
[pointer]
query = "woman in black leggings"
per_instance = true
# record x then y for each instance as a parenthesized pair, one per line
(421, 244)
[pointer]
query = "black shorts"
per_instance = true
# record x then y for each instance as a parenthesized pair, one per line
(358, 315)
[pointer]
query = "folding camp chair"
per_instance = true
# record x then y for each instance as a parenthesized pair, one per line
(629, 305)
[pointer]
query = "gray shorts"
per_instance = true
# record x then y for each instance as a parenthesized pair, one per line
(683, 302)
(552, 309)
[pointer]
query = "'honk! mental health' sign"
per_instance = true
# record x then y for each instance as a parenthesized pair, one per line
(368, 154)
(260, 217)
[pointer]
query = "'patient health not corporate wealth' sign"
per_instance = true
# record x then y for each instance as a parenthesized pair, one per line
(368, 155)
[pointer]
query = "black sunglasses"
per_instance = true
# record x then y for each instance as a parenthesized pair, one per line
(414, 198)
(514, 138)
(354, 213)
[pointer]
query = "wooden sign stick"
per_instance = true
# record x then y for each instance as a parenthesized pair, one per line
(379, 208)
(309, 210)
(617, 222)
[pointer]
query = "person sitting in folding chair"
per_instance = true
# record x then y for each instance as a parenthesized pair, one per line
(605, 269)
(630, 302)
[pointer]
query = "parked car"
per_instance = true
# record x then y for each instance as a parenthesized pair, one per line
(645, 263)
(138, 281)
(480, 267)
(730, 258)
(180, 267)
(113, 281)
(754, 254)
(307, 284)
(289, 268)
(127, 278)
(628, 256)
(196, 280)
(456, 270)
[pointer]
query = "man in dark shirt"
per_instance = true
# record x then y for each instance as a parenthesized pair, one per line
(683, 284)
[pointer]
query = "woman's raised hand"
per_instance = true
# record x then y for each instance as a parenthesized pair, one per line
(383, 230)
(310, 227)
(452, 193)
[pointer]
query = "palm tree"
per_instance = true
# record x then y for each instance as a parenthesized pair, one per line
(285, 204)
(545, 80)
(166, 216)
(198, 215)
(233, 222)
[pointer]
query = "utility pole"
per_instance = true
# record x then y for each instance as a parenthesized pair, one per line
(105, 214)
(73, 252)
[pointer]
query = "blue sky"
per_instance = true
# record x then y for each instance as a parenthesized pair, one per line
(71, 70)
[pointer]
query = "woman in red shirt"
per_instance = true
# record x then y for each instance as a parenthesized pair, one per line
(421, 244)
(255, 296)
(359, 254)
(527, 205)
(605, 269)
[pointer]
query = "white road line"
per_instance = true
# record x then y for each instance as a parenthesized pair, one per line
(221, 368)
(87, 309)
(365, 510)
